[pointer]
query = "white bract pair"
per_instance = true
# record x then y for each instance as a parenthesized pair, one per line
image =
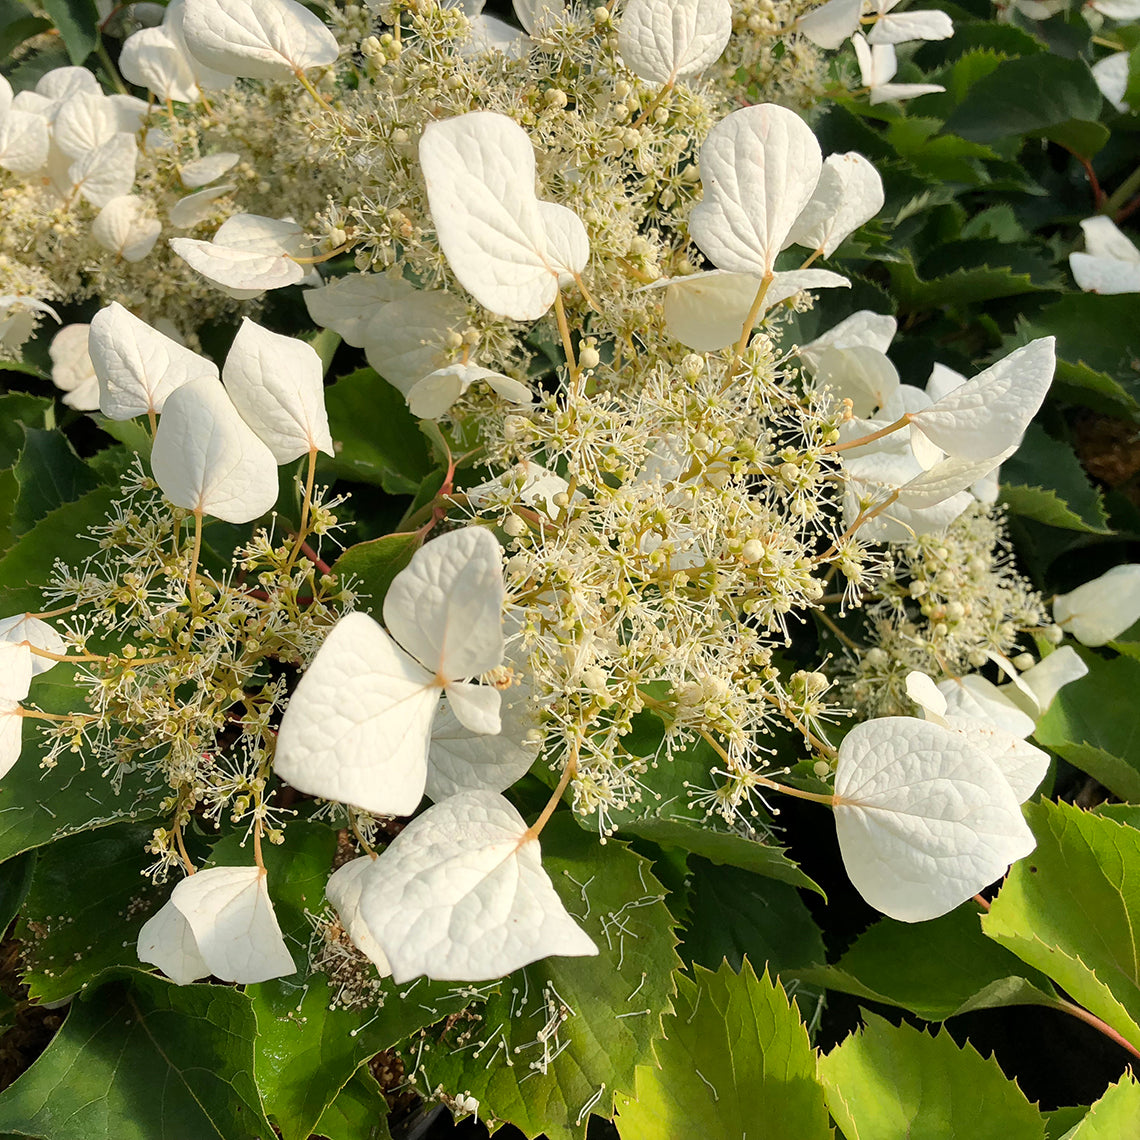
(248, 255)
(667, 40)
(217, 447)
(1110, 263)
(217, 922)
(832, 23)
(508, 248)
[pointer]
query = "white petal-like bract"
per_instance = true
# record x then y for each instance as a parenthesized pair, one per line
(667, 40)
(277, 385)
(153, 58)
(358, 725)
(462, 895)
(830, 24)
(759, 167)
(257, 39)
(37, 633)
(925, 820)
(126, 227)
(167, 941)
(445, 606)
(16, 670)
(848, 194)
(207, 459)
(231, 917)
(138, 367)
(343, 891)
(987, 414)
(1103, 608)
(72, 370)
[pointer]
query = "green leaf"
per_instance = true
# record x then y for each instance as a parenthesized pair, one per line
(87, 904)
(26, 567)
(49, 474)
(376, 563)
(965, 286)
(935, 969)
(1069, 910)
(1078, 136)
(77, 21)
(1061, 1120)
(1092, 723)
(139, 1058)
(1113, 1116)
(734, 914)
(736, 1060)
(896, 1082)
(20, 410)
(613, 1003)
(17, 24)
(1033, 93)
(377, 439)
(359, 1112)
(133, 434)
(309, 1043)
(9, 488)
(15, 880)
(1044, 480)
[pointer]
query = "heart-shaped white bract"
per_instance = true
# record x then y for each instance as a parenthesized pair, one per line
(830, 24)
(902, 27)
(871, 330)
(219, 921)
(16, 668)
(982, 700)
(138, 367)
(667, 40)
(277, 386)
(859, 373)
(759, 167)
(72, 371)
(358, 727)
(203, 171)
(946, 478)
(480, 170)
(206, 78)
(1046, 678)
(1102, 609)
(460, 760)
(1110, 263)
(207, 459)
(343, 891)
(257, 39)
(83, 123)
(153, 58)
(925, 820)
(187, 212)
(347, 304)
(106, 172)
(848, 194)
(126, 227)
(24, 135)
(878, 64)
(431, 397)
(37, 633)
(989, 414)
(1111, 75)
(460, 895)
(248, 255)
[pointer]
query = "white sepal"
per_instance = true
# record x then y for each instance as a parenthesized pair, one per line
(257, 39)
(1021, 763)
(830, 24)
(1051, 673)
(848, 194)
(445, 606)
(277, 385)
(462, 895)
(347, 304)
(72, 371)
(1103, 608)
(11, 734)
(106, 172)
(759, 167)
(207, 459)
(872, 330)
(667, 40)
(925, 820)
(167, 941)
(126, 227)
(153, 58)
(406, 339)
(248, 254)
(431, 397)
(191, 209)
(203, 171)
(975, 697)
(138, 367)
(357, 727)
(343, 890)
(37, 633)
(988, 414)
(16, 669)
(231, 917)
